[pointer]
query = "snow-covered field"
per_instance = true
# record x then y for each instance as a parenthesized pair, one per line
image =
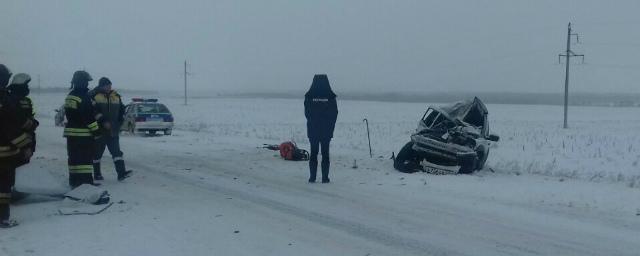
(602, 145)
(209, 189)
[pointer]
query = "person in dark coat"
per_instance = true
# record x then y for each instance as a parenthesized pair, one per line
(81, 130)
(321, 111)
(15, 146)
(110, 115)
(19, 91)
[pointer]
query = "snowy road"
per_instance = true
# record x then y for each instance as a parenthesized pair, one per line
(436, 225)
(194, 194)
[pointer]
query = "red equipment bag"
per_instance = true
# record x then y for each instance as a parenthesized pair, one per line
(289, 151)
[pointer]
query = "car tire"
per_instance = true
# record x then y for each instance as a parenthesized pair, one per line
(468, 164)
(483, 159)
(167, 132)
(407, 160)
(152, 132)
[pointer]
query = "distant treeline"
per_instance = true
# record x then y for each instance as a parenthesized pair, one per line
(576, 99)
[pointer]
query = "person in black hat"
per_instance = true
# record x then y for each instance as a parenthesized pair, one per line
(19, 91)
(321, 111)
(110, 115)
(81, 130)
(15, 146)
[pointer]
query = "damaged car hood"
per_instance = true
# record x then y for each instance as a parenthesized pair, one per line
(470, 114)
(465, 110)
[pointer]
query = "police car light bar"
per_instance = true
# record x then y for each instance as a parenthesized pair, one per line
(143, 100)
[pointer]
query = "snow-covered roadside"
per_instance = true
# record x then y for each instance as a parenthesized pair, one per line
(193, 190)
(157, 214)
(601, 145)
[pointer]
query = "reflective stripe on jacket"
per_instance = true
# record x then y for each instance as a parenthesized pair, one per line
(12, 137)
(109, 108)
(80, 115)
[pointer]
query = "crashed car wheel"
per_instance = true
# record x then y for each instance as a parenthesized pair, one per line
(482, 158)
(407, 160)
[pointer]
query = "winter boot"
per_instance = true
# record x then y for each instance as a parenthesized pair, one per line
(121, 170)
(8, 223)
(325, 171)
(313, 170)
(5, 211)
(77, 179)
(126, 174)
(97, 174)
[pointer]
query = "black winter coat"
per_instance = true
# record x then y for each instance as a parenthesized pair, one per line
(80, 113)
(13, 140)
(109, 108)
(320, 109)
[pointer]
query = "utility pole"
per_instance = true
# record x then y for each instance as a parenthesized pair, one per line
(185, 82)
(568, 54)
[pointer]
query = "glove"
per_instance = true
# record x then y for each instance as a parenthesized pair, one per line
(27, 153)
(96, 134)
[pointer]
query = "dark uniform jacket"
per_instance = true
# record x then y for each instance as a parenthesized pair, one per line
(13, 139)
(19, 94)
(320, 109)
(26, 113)
(80, 115)
(109, 108)
(25, 106)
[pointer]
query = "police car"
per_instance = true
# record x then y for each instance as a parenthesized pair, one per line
(147, 115)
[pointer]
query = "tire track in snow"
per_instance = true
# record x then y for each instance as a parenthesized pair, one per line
(354, 228)
(449, 224)
(378, 235)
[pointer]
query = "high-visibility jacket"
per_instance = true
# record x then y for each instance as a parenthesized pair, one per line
(109, 108)
(26, 109)
(26, 104)
(12, 138)
(81, 121)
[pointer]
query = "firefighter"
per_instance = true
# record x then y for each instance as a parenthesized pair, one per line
(110, 115)
(15, 147)
(321, 111)
(81, 130)
(19, 92)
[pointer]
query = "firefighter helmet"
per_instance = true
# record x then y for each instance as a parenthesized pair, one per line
(81, 76)
(5, 74)
(21, 78)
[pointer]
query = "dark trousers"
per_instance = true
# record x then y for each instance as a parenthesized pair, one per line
(113, 144)
(80, 151)
(7, 180)
(323, 145)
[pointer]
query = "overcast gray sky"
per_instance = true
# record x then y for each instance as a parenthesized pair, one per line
(365, 45)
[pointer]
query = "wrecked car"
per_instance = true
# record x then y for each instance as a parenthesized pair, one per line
(449, 139)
